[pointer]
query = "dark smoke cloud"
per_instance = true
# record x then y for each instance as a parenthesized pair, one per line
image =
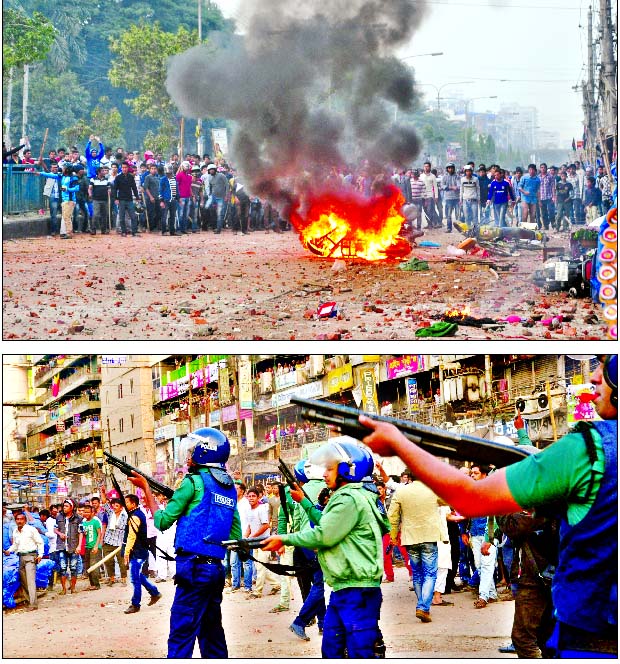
(306, 86)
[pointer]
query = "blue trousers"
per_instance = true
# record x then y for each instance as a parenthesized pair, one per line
(235, 569)
(451, 206)
(566, 643)
(424, 567)
(196, 612)
(499, 211)
(127, 206)
(138, 580)
(314, 604)
(184, 207)
(352, 622)
(54, 207)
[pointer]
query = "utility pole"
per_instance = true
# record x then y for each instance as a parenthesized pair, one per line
(199, 137)
(7, 117)
(608, 94)
(589, 106)
(25, 100)
(240, 448)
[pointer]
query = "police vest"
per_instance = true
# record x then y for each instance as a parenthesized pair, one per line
(585, 586)
(140, 547)
(209, 522)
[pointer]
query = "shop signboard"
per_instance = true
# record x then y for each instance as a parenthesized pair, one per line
(340, 379)
(412, 395)
(405, 365)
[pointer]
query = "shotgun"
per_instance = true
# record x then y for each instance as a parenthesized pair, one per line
(438, 442)
(127, 469)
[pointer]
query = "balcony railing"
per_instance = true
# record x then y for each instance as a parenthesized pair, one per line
(78, 405)
(70, 382)
(86, 430)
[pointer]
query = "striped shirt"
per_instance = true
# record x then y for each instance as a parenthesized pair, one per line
(173, 187)
(417, 189)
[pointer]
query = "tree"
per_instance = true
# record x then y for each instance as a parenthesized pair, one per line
(104, 121)
(25, 40)
(141, 66)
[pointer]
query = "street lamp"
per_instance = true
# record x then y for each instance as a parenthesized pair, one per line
(408, 57)
(467, 119)
(421, 55)
(445, 85)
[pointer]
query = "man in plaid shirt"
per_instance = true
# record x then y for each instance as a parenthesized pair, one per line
(547, 196)
(114, 522)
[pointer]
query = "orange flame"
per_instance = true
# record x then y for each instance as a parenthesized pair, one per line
(344, 224)
(457, 313)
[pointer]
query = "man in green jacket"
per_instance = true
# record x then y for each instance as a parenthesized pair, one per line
(348, 540)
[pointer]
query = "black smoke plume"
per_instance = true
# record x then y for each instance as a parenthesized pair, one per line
(306, 86)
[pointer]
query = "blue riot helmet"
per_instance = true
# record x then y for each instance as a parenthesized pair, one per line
(305, 471)
(354, 461)
(610, 374)
(300, 471)
(206, 446)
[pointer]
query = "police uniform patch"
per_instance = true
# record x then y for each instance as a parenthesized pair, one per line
(223, 500)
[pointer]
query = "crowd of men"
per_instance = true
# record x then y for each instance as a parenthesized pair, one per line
(550, 197)
(100, 190)
(76, 535)
(550, 519)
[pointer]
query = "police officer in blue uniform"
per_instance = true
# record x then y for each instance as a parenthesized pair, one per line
(205, 509)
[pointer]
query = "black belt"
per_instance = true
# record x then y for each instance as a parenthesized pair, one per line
(27, 553)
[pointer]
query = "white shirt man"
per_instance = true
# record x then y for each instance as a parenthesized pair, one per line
(258, 526)
(28, 544)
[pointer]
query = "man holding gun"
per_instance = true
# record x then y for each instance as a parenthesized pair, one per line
(578, 476)
(204, 508)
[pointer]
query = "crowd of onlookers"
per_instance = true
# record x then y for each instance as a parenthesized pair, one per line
(100, 189)
(549, 197)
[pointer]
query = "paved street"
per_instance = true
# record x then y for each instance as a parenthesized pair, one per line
(92, 624)
(265, 286)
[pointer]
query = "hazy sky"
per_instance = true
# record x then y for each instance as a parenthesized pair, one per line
(538, 49)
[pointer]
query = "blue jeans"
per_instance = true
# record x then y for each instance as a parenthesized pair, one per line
(54, 207)
(70, 560)
(470, 208)
(499, 212)
(431, 213)
(579, 216)
(517, 211)
(194, 212)
(184, 205)
(235, 569)
(485, 214)
(128, 206)
(169, 213)
(424, 567)
(450, 207)
(221, 212)
(138, 580)
(547, 209)
(314, 604)
(352, 622)
(196, 612)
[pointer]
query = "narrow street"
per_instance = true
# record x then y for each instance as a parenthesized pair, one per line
(267, 286)
(92, 624)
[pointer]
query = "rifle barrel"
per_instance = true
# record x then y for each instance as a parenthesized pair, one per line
(438, 442)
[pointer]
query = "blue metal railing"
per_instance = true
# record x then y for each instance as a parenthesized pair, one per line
(21, 191)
